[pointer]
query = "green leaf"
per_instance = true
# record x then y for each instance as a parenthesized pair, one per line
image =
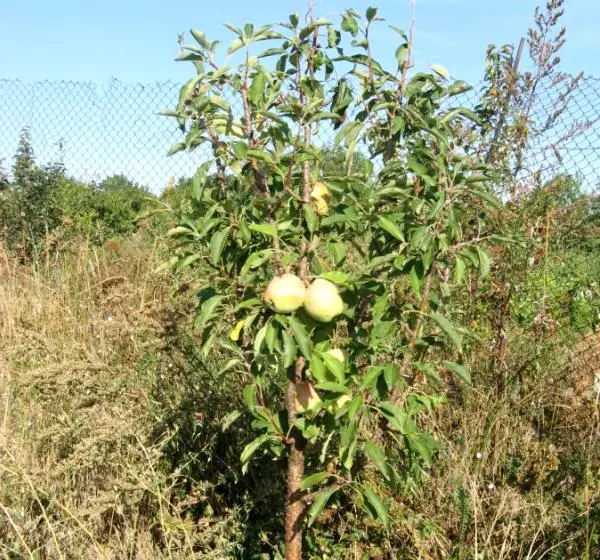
(460, 370)
(322, 116)
(208, 225)
(376, 507)
(207, 310)
(271, 336)
(459, 270)
(311, 218)
(179, 231)
(402, 55)
(489, 198)
(257, 87)
(234, 29)
(336, 276)
(460, 112)
(259, 339)
(332, 387)
(255, 260)
(317, 369)
(319, 504)
(395, 415)
(335, 366)
(218, 101)
(230, 419)
(249, 396)
(178, 147)
(448, 329)
(484, 262)
(391, 375)
(415, 276)
(391, 227)
(360, 43)
(458, 87)
(354, 406)
(349, 24)
(235, 46)
(208, 345)
(349, 453)
(373, 372)
(200, 38)
(188, 260)
(371, 13)
(290, 349)
(267, 229)
(399, 31)
(422, 444)
(314, 479)
(261, 155)
(301, 336)
(271, 52)
(337, 252)
(337, 219)
(378, 458)
(251, 448)
(348, 133)
(333, 37)
(217, 243)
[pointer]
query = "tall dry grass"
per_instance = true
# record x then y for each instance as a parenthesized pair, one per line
(77, 478)
(83, 469)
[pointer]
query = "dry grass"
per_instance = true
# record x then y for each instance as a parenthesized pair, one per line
(78, 480)
(519, 477)
(83, 475)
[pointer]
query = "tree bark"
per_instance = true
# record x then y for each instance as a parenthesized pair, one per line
(295, 507)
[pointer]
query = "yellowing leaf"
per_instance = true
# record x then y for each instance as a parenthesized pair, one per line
(235, 332)
(440, 71)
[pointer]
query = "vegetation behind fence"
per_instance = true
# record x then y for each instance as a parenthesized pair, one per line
(99, 130)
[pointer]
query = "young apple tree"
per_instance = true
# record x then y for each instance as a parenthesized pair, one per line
(330, 294)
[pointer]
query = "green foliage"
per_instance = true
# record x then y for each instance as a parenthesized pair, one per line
(118, 203)
(391, 242)
(42, 203)
(28, 209)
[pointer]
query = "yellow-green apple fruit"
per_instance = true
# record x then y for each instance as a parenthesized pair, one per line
(306, 397)
(337, 353)
(323, 301)
(321, 206)
(285, 293)
(320, 190)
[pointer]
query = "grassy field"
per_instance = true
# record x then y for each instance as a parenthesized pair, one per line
(110, 445)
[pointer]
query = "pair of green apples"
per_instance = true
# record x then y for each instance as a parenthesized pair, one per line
(321, 300)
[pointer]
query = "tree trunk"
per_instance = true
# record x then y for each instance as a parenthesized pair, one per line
(294, 511)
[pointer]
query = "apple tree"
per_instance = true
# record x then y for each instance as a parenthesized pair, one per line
(330, 295)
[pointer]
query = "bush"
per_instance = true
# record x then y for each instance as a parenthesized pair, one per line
(42, 205)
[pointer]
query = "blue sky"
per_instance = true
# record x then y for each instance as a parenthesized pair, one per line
(106, 126)
(136, 40)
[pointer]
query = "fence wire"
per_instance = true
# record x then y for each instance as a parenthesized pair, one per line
(565, 136)
(99, 130)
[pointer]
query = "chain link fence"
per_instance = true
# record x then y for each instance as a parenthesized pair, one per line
(564, 136)
(99, 130)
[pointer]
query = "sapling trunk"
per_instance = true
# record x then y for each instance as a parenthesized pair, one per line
(294, 511)
(295, 506)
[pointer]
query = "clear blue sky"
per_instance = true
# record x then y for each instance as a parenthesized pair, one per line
(136, 40)
(106, 126)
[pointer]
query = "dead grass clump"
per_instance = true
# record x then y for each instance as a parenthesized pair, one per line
(79, 476)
